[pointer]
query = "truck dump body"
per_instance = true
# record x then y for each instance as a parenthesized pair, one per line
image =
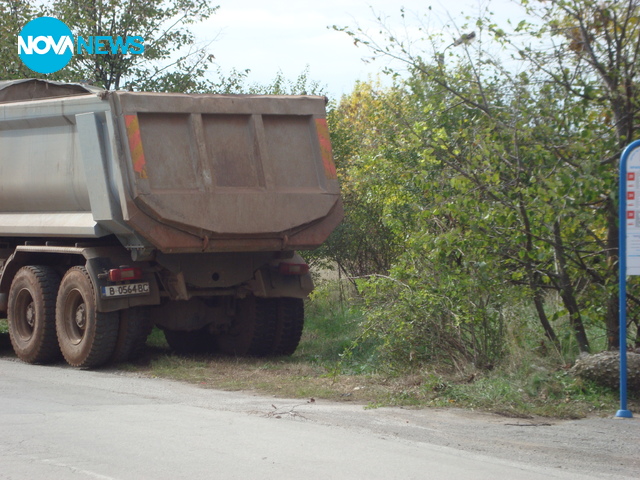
(174, 172)
(121, 210)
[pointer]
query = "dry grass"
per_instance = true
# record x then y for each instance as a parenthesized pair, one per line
(287, 378)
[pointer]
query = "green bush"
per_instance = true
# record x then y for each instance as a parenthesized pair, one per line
(444, 318)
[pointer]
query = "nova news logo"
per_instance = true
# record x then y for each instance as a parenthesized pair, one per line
(46, 45)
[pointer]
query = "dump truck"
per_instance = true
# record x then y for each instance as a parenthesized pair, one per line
(124, 210)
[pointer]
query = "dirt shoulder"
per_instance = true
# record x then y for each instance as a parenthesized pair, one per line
(601, 447)
(595, 446)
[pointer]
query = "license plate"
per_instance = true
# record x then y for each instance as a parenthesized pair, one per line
(125, 290)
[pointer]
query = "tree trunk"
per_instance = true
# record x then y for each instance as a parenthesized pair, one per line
(534, 279)
(538, 300)
(566, 291)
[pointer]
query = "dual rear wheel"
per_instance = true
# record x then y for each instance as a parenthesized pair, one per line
(31, 312)
(265, 327)
(261, 327)
(50, 317)
(87, 338)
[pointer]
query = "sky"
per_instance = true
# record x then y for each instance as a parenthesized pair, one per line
(271, 36)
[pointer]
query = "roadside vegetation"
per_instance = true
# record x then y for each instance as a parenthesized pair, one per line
(336, 361)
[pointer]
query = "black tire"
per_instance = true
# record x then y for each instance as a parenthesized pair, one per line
(254, 329)
(199, 341)
(31, 314)
(87, 337)
(289, 326)
(134, 328)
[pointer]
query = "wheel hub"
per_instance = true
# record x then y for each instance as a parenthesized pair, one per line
(30, 315)
(81, 316)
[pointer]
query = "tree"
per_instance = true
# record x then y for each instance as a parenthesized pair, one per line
(172, 61)
(518, 170)
(14, 14)
(363, 133)
(596, 41)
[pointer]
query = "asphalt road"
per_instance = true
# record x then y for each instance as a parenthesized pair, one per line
(61, 423)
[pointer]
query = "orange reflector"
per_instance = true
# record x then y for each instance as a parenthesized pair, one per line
(293, 268)
(325, 149)
(122, 274)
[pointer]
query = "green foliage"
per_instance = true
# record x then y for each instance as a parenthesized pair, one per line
(157, 340)
(482, 188)
(364, 134)
(302, 85)
(14, 14)
(172, 61)
(525, 392)
(531, 379)
(448, 317)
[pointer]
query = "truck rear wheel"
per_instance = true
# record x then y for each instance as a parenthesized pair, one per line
(289, 326)
(87, 337)
(31, 314)
(134, 328)
(253, 332)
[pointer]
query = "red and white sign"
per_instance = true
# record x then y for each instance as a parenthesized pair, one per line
(633, 213)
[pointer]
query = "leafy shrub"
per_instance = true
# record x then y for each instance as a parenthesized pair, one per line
(452, 317)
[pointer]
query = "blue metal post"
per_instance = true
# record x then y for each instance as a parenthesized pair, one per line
(622, 278)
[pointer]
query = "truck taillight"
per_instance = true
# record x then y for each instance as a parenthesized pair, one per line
(123, 274)
(286, 268)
